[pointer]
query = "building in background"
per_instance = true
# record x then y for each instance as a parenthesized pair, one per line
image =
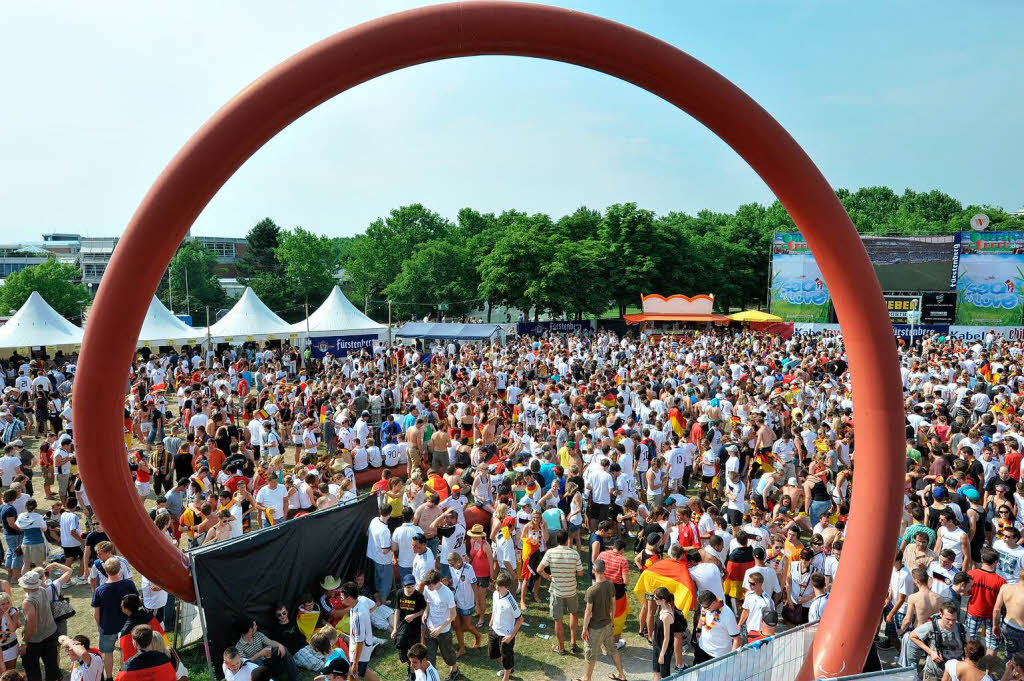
(92, 255)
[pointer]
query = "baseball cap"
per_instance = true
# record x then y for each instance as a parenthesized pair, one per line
(939, 492)
(338, 666)
(407, 580)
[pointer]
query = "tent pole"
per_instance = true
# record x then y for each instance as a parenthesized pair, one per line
(389, 323)
(303, 356)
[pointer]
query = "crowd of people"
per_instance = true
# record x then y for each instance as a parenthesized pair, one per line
(565, 462)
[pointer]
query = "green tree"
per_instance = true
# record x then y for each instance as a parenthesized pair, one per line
(259, 256)
(584, 223)
(509, 271)
(574, 281)
(440, 271)
(376, 257)
(634, 251)
(310, 264)
(55, 282)
(191, 284)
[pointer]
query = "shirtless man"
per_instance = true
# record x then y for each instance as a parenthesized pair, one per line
(921, 604)
(795, 492)
(1010, 597)
(326, 499)
(425, 516)
(414, 438)
(439, 443)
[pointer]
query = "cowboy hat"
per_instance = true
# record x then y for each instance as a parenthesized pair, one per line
(477, 531)
(330, 583)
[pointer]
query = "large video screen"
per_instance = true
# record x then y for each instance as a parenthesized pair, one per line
(911, 263)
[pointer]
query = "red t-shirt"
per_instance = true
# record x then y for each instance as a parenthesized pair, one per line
(1012, 462)
(984, 589)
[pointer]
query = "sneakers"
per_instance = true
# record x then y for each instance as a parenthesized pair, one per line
(620, 644)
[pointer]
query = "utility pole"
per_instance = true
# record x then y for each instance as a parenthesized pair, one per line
(188, 303)
(209, 340)
(309, 342)
(389, 323)
(170, 287)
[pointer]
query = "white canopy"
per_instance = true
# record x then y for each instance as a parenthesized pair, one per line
(37, 324)
(160, 327)
(338, 317)
(250, 319)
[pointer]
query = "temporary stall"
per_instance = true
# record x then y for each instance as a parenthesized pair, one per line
(160, 327)
(250, 320)
(35, 325)
(337, 316)
(448, 331)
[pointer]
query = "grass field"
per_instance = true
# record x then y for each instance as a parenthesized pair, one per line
(914, 276)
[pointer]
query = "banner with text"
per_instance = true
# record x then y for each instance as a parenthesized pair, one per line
(339, 346)
(938, 307)
(990, 279)
(900, 307)
(537, 328)
(799, 293)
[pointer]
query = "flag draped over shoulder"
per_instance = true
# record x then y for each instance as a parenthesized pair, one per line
(621, 610)
(740, 560)
(676, 417)
(671, 574)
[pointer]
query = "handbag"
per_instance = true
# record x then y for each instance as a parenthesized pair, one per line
(60, 606)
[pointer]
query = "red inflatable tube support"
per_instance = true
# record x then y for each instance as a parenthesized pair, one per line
(464, 29)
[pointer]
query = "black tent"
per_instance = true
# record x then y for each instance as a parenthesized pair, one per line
(248, 575)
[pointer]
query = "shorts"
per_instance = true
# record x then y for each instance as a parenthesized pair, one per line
(560, 606)
(62, 483)
(483, 582)
(1014, 637)
(439, 460)
(361, 669)
(676, 485)
(34, 554)
(72, 552)
(707, 479)
(504, 651)
(466, 612)
(598, 512)
(972, 629)
(599, 638)
(108, 642)
(575, 525)
(48, 474)
(655, 500)
(442, 642)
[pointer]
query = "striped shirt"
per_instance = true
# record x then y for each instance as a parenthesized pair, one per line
(563, 563)
(616, 568)
(428, 674)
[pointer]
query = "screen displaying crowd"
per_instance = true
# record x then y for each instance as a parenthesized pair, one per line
(556, 470)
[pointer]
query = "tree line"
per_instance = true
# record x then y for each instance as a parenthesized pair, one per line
(581, 264)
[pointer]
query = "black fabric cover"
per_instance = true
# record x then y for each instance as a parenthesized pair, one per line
(248, 575)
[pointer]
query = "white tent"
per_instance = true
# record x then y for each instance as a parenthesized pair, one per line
(250, 319)
(160, 327)
(37, 324)
(338, 317)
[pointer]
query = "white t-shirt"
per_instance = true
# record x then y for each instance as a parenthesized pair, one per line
(456, 543)
(69, 522)
(243, 674)
(1011, 560)
(101, 576)
(272, 499)
(378, 539)
(153, 597)
(440, 601)
(901, 582)
(91, 670)
(402, 540)
(754, 604)
(771, 580)
(601, 485)
(816, 608)
(505, 613)
(422, 563)
(716, 637)
(9, 467)
(706, 576)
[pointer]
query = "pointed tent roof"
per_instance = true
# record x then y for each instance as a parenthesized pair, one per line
(250, 319)
(38, 324)
(337, 317)
(160, 327)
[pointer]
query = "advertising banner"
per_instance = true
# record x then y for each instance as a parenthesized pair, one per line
(537, 328)
(990, 279)
(977, 334)
(799, 293)
(900, 306)
(917, 330)
(339, 346)
(938, 307)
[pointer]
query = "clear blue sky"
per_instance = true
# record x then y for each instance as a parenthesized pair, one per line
(97, 97)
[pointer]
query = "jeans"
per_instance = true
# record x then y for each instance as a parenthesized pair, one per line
(817, 508)
(46, 651)
(383, 576)
(12, 559)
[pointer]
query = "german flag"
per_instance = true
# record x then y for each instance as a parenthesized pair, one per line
(149, 665)
(676, 417)
(671, 574)
(740, 560)
(124, 639)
